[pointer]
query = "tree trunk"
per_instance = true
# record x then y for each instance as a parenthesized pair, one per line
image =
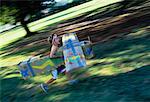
(24, 24)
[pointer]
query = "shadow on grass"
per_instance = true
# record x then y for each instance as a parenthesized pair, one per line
(129, 52)
(130, 86)
(15, 89)
(33, 45)
(111, 10)
(35, 50)
(101, 25)
(132, 45)
(100, 28)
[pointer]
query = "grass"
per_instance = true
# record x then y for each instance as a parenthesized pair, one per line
(48, 21)
(119, 72)
(116, 74)
(11, 36)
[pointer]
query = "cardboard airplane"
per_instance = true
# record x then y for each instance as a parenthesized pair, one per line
(73, 58)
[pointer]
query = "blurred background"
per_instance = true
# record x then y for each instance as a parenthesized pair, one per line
(118, 29)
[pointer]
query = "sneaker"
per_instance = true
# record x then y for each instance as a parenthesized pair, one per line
(44, 87)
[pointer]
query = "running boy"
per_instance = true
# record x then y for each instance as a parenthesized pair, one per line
(55, 41)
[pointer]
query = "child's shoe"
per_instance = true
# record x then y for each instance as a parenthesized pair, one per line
(44, 87)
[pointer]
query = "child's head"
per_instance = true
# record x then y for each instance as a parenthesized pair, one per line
(54, 39)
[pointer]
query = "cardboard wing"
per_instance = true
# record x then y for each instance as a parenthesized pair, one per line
(39, 66)
(73, 54)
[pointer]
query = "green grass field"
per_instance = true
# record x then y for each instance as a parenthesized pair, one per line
(119, 72)
(48, 21)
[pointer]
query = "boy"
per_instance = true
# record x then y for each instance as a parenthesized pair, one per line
(55, 41)
(60, 69)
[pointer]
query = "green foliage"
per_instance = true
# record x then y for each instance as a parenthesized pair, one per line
(17, 11)
(7, 14)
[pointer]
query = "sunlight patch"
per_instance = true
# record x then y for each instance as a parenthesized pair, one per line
(10, 36)
(139, 32)
(41, 78)
(27, 86)
(59, 97)
(12, 60)
(110, 70)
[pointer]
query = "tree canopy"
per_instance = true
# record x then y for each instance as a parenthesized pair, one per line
(13, 11)
(25, 11)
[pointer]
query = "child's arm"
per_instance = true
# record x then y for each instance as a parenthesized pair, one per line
(53, 51)
(54, 48)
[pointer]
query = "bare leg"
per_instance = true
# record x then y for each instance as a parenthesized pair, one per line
(45, 85)
(50, 81)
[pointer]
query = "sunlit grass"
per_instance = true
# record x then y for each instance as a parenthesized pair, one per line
(58, 97)
(41, 78)
(13, 60)
(118, 72)
(109, 71)
(70, 10)
(11, 36)
(76, 11)
(105, 73)
(139, 32)
(14, 35)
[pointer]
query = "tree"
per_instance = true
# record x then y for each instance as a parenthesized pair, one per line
(13, 11)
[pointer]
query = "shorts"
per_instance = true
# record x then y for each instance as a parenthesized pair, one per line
(60, 69)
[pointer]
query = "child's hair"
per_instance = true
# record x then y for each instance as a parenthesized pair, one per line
(50, 38)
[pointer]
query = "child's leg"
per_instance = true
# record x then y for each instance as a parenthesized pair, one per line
(61, 69)
(55, 75)
(50, 81)
(45, 85)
